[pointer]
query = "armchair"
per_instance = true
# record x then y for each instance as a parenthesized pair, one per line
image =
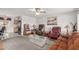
(55, 32)
(26, 29)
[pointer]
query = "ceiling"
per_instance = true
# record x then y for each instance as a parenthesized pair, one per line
(28, 12)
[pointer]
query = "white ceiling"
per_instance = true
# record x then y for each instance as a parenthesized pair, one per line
(28, 12)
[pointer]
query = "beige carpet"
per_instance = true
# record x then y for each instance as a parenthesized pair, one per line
(23, 43)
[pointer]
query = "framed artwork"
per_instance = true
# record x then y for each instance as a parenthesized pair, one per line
(52, 21)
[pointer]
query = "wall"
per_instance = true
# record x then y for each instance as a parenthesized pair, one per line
(78, 22)
(62, 20)
(9, 26)
(25, 20)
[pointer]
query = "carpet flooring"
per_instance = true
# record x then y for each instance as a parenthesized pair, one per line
(22, 43)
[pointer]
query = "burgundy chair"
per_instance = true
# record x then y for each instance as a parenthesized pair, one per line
(54, 34)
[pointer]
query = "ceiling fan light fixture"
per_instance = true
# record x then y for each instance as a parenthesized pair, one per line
(37, 13)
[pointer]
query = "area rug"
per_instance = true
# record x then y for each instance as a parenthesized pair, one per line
(38, 40)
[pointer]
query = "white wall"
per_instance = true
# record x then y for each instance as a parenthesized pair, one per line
(28, 20)
(25, 20)
(78, 22)
(62, 20)
(9, 26)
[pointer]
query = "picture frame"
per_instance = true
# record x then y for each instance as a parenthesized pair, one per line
(52, 20)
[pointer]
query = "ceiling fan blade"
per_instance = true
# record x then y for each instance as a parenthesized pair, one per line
(42, 11)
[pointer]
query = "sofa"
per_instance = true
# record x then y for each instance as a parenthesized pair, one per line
(70, 43)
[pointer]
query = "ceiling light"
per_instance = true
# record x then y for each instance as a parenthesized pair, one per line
(37, 13)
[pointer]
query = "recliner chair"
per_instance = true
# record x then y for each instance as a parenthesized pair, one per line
(54, 34)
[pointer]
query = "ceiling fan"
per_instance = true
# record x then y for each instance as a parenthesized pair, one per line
(39, 11)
